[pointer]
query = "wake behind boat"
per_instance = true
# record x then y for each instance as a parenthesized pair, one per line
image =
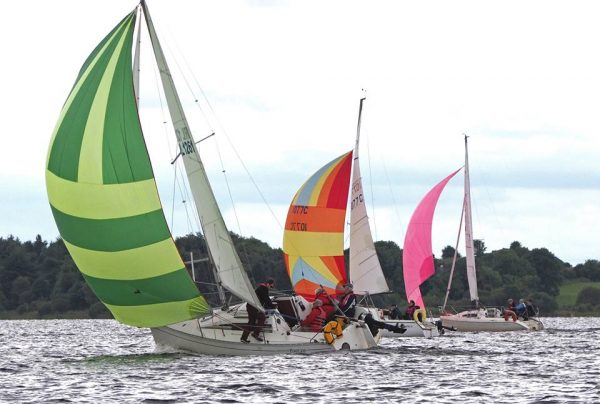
(105, 202)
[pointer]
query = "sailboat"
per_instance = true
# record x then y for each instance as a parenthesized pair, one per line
(313, 242)
(418, 265)
(106, 206)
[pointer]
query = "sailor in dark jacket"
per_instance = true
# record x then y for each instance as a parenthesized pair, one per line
(348, 301)
(256, 318)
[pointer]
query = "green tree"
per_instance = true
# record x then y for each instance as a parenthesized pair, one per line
(448, 252)
(589, 296)
(548, 269)
(479, 247)
(589, 270)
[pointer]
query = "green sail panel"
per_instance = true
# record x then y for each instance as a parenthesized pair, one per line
(104, 198)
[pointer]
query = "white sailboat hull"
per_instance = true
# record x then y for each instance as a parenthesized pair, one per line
(220, 334)
(474, 320)
(413, 329)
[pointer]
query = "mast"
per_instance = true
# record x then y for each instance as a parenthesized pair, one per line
(365, 270)
(220, 245)
(469, 247)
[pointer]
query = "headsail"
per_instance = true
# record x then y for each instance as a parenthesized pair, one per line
(313, 240)
(220, 245)
(469, 248)
(104, 199)
(365, 270)
(417, 255)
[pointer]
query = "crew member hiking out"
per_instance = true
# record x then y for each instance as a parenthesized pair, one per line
(256, 318)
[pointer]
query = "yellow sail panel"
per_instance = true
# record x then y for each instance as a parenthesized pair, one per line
(98, 201)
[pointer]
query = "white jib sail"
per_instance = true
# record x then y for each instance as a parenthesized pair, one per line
(365, 270)
(220, 245)
(471, 270)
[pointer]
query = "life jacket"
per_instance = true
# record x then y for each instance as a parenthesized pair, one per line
(327, 306)
(316, 319)
(347, 304)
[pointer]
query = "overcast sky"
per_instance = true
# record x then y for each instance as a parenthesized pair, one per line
(522, 79)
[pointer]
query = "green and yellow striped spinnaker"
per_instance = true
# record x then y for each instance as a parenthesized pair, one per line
(104, 198)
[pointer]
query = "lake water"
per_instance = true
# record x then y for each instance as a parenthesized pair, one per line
(103, 361)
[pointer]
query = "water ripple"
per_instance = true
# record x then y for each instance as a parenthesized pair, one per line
(101, 360)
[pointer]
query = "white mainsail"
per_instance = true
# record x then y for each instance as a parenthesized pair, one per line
(365, 270)
(471, 270)
(220, 245)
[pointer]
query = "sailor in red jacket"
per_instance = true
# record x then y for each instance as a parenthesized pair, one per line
(328, 307)
(317, 317)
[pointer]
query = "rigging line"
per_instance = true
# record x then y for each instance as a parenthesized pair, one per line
(191, 90)
(218, 122)
(176, 180)
(248, 262)
(185, 79)
(371, 186)
(173, 200)
(227, 184)
(185, 194)
(395, 204)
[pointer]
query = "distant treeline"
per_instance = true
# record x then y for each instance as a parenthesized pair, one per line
(38, 279)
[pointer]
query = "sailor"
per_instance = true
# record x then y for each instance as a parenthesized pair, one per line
(347, 301)
(410, 310)
(317, 317)
(530, 308)
(256, 318)
(521, 308)
(510, 311)
(394, 312)
(327, 305)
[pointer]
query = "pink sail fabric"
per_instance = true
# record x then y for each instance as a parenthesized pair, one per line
(417, 257)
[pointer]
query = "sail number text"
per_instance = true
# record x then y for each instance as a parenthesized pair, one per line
(186, 147)
(356, 201)
(299, 226)
(186, 143)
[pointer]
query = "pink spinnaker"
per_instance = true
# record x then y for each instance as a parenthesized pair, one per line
(417, 257)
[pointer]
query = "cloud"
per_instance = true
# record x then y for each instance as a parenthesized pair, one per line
(284, 79)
